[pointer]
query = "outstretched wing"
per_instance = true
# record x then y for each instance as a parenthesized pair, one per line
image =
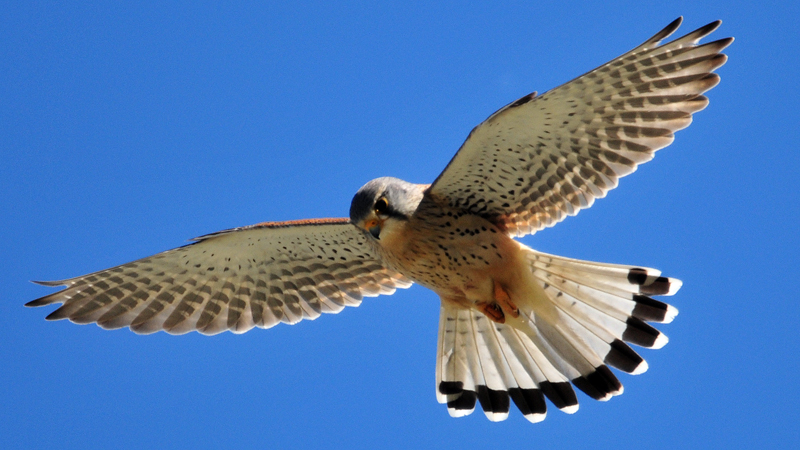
(232, 280)
(539, 159)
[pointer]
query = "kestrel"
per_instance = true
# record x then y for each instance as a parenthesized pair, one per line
(516, 324)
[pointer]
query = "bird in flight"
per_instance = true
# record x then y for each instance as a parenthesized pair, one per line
(516, 325)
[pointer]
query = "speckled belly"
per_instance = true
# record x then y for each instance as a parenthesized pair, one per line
(456, 255)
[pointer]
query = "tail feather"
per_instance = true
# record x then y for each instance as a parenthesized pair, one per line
(606, 333)
(455, 365)
(621, 291)
(556, 385)
(593, 311)
(494, 397)
(484, 362)
(610, 278)
(573, 350)
(602, 333)
(527, 375)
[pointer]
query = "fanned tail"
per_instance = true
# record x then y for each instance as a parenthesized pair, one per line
(584, 317)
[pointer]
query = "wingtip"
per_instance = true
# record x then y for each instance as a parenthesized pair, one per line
(49, 283)
(711, 26)
(693, 36)
(56, 315)
(722, 44)
(34, 303)
(666, 31)
(47, 299)
(705, 30)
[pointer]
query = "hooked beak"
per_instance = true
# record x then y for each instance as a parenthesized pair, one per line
(374, 227)
(375, 231)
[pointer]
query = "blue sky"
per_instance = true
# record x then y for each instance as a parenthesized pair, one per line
(126, 129)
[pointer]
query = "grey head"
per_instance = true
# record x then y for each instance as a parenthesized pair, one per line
(384, 199)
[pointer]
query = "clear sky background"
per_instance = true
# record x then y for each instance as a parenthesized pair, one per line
(126, 129)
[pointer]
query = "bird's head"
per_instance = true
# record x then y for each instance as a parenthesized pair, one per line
(383, 204)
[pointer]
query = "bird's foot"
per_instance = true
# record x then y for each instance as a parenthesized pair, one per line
(493, 311)
(504, 301)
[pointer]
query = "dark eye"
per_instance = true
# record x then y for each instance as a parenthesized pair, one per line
(381, 206)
